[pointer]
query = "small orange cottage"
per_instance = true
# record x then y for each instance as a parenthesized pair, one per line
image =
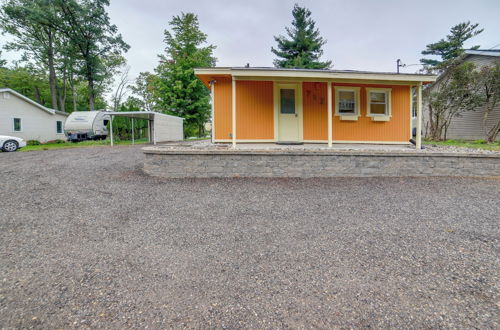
(313, 106)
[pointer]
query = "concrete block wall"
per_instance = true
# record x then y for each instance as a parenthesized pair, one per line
(224, 164)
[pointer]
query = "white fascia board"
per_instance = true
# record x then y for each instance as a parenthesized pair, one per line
(241, 73)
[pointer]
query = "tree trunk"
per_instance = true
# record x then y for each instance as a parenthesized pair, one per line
(73, 96)
(52, 70)
(91, 91)
(37, 95)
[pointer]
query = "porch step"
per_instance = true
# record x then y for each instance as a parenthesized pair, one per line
(289, 143)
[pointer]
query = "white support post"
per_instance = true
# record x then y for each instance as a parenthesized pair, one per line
(133, 142)
(154, 131)
(149, 131)
(233, 108)
(330, 115)
(418, 143)
(212, 95)
(111, 129)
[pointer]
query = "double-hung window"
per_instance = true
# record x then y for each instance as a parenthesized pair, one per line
(378, 103)
(59, 127)
(347, 102)
(17, 125)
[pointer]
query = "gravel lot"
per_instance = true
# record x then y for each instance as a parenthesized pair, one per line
(87, 240)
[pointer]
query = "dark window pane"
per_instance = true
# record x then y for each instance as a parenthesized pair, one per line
(59, 127)
(287, 97)
(17, 124)
(377, 108)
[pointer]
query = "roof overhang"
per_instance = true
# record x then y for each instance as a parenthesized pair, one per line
(317, 75)
(149, 115)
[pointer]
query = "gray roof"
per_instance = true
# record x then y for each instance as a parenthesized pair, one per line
(483, 52)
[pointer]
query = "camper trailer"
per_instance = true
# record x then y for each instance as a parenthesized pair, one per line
(87, 125)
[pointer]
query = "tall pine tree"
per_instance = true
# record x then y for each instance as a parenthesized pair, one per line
(302, 48)
(450, 48)
(176, 88)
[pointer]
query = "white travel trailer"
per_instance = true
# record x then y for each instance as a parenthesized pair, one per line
(87, 125)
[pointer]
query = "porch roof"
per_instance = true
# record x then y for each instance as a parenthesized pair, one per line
(264, 73)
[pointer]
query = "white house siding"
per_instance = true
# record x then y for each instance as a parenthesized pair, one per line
(469, 126)
(168, 128)
(36, 124)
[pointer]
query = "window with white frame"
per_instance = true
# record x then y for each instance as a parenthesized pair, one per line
(378, 102)
(17, 124)
(59, 127)
(346, 101)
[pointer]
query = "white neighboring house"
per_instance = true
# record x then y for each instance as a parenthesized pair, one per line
(24, 118)
(469, 125)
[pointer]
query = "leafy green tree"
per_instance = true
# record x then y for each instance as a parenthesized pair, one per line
(143, 88)
(457, 91)
(30, 22)
(176, 88)
(451, 47)
(302, 48)
(87, 27)
(3, 62)
(489, 81)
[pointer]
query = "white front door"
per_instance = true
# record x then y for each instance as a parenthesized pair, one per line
(289, 113)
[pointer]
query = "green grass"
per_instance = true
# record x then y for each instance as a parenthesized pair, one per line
(65, 145)
(479, 144)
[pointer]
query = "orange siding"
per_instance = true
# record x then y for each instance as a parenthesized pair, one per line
(255, 110)
(222, 104)
(255, 113)
(315, 114)
(364, 129)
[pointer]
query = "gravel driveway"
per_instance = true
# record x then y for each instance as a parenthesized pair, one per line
(87, 240)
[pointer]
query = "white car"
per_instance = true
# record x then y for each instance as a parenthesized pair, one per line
(11, 143)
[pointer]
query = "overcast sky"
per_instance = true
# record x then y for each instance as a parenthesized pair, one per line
(361, 34)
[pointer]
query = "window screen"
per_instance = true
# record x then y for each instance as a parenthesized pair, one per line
(287, 97)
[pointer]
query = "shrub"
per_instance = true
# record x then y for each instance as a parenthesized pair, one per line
(33, 142)
(58, 141)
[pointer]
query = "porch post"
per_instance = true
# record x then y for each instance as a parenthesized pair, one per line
(133, 140)
(233, 108)
(418, 143)
(329, 103)
(111, 129)
(212, 96)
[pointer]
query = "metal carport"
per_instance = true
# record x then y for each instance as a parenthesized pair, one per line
(161, 127)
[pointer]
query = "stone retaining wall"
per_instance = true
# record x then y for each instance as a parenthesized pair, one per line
(304, 164)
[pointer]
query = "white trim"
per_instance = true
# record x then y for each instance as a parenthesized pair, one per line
(330, 114)
(357, 105)
(233, 111)
(411, 111)
(212, 95)
(325, 74)
(418, 144)
(298, 105)
(388, 106)
(371, 142)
